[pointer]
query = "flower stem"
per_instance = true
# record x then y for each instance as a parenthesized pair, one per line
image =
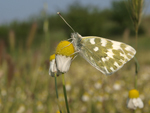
(56, 86)
(65, 94)
(135, 85)
(134, 111)
(136, 62)
(57, 93)
(136, 72)
(136, 37)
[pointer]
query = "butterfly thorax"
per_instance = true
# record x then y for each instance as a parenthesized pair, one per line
(76, 41)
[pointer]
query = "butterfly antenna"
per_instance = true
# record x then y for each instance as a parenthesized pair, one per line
(65, 21)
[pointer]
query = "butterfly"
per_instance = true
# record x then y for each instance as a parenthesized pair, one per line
(105, 55)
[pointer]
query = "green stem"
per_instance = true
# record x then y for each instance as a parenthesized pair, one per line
(136, 62)
(65, 94)
(136, 37)
(136, 72)
(56, 89)
(56, 86)
(135, 84)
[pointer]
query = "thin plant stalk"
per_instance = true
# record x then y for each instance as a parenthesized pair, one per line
(136, 7)
(56, 89)
(90, 107)
(136, 37)
(136, 72)
(56, 86)
(65, 94)
(135, 10)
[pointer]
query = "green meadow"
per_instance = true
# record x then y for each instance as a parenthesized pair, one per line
(25, 48)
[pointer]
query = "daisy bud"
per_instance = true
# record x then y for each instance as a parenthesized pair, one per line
(134, 101)
(64, 56)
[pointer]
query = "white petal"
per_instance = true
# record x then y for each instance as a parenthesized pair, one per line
(135, 102)
(138, 103)
(141, 105)
(52, 68)
(63, 63)
(58, 61)
(66, 65)
(130, 104)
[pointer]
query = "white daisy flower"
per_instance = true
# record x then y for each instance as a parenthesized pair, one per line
(134, 101)
(85, 97)
(68, 86)
(64, 56)
(98, 84)
(117, 86)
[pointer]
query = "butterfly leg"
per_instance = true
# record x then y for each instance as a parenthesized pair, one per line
(75, 53)
(74, 57)
(68, 44)
(69, 39)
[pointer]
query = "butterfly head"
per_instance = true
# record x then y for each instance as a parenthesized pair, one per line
(76, 37)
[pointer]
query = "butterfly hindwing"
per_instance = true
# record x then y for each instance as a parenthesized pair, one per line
(106, 55)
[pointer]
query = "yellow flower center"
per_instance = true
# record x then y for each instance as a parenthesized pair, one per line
(133, 93)
(65, 48)
(52, 57)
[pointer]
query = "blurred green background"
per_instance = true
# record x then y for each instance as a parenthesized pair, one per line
(25, 47)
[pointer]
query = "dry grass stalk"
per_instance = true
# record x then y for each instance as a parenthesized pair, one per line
(11, 68)
(12, 40)
(31, 35)
(136, 8)
(2, 51)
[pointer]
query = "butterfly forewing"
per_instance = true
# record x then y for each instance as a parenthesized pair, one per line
(106, 55)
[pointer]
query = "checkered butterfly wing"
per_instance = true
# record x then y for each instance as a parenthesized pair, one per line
(106, 55)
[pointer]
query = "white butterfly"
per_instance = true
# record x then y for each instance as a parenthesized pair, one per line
(106, 55)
